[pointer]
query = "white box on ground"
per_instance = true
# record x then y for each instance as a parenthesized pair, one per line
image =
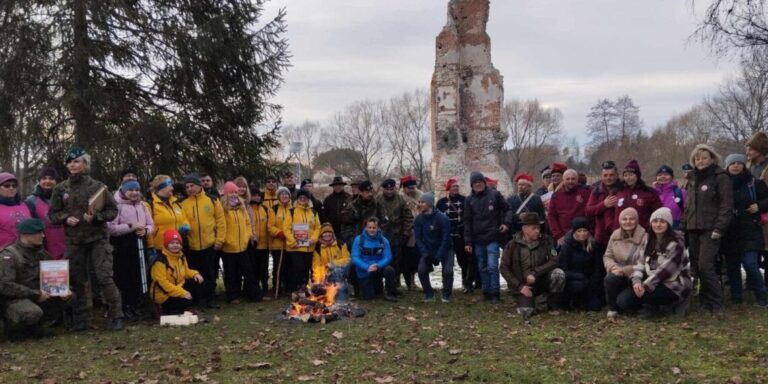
(185, 319)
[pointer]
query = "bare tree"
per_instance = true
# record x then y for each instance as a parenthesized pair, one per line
(628, 123)
(531, 128)
(600, 121)
(734, 25)
(362, 127)
(741, 107)
(408, 136)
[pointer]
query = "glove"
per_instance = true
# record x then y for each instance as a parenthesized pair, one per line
(281, 235)
(184, 229)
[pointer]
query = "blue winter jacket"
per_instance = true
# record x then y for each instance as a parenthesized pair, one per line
(433, 236)
(367, 250)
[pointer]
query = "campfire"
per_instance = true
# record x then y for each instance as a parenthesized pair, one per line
(316, 304)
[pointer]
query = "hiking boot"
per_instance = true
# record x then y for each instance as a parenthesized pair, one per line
(212, 304)
(612, 315)
(495, 298)
(80, 326)
(525, 312)
(446, 298)
(648, 312)
(117, 324)
(486, 296)
(429, 298)
(467, 290)
(390, 297)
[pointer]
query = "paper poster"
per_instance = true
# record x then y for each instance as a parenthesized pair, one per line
(301, 234)
(54, 277)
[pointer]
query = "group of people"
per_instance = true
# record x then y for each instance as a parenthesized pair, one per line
(620, 243)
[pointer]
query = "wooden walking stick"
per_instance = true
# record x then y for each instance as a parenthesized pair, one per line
(279, 267)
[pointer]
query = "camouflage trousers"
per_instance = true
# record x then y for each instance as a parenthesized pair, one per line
(25, 312)
(99, 253)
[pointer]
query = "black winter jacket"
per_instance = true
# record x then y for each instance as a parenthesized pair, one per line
(484, 213)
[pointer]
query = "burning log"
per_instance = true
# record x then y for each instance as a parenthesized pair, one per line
(316, 304)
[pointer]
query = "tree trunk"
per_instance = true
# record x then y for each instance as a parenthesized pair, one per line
(81, 94)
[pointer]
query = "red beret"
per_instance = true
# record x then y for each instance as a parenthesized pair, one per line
(451, 182)
(408, 180)
(524, 176)
(491, 181)
(559, 168)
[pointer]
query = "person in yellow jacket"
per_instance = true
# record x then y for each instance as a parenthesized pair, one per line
(205, 239)
(302, 229)
(330, 262)
(238, 273)
(166, 211)
(260, 254)
(270, 191)
(172, 279)
(277, 215)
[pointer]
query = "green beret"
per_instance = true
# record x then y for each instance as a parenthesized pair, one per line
(30, 226)
(73, 154)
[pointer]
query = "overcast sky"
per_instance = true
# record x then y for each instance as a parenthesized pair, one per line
(566, 53)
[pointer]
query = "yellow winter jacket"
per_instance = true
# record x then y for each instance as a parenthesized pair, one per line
(169, 273)
(277, 214)
(270, 198)
(261, 221)
(339, 256)
(301, 215)
(206, 219)
(166, 215)
(238, 230)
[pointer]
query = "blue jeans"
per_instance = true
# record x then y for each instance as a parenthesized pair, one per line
(750, 262)
(488, 265)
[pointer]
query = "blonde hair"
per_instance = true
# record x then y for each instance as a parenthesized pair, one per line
(156, 181)
(242, 182)
(716, 158)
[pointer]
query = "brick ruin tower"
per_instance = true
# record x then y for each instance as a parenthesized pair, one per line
(467, 95)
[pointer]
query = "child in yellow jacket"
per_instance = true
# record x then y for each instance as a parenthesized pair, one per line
(238, 272)
(330, 262)
(171, 276)
(302, 229)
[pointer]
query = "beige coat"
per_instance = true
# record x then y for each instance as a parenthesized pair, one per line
(625, 251)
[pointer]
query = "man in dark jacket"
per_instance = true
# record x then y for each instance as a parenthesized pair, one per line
(453, 207)
(336, 204)
(22, 302)
(523, 201)
(484, 224)
(529, 265)
(87, 236)
(546, 177)
(433, 240)
(396, 222)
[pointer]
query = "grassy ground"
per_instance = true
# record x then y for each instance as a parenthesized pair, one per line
(409, 341)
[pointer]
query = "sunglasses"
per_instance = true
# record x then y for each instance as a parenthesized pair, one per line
(8, 185)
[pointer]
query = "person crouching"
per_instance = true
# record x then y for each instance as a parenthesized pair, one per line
(372, 256)
(529, 265)
(172, 278)
(330, 262)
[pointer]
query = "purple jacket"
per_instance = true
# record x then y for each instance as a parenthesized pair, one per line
(55, 242)
(667, 195)
(12, 211)
(129, 214)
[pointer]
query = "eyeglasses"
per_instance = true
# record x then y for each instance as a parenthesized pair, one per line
(8, 185)
(271, 181)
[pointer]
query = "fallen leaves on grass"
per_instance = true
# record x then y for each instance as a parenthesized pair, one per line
(338, 335)
(384, 380)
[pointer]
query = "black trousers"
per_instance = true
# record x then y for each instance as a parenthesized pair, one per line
(599, 276)
(299, 266)
(202, 261)
(397, 248)
(260, 264)
(176, 305)
(371, 286)
(126, 268)
(704, 253)
(620, 294)
(238, 277)
(409, 264)
(470, 276)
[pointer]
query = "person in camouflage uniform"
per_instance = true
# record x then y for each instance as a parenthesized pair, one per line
(396, 222)
(411, 256)
(87, 237)
(23, 304)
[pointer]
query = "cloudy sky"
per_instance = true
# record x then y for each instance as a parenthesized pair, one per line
(567, 54)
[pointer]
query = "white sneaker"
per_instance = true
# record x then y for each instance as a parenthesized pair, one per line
(612, 315)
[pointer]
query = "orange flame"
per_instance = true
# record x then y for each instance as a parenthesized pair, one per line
(316, 300)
